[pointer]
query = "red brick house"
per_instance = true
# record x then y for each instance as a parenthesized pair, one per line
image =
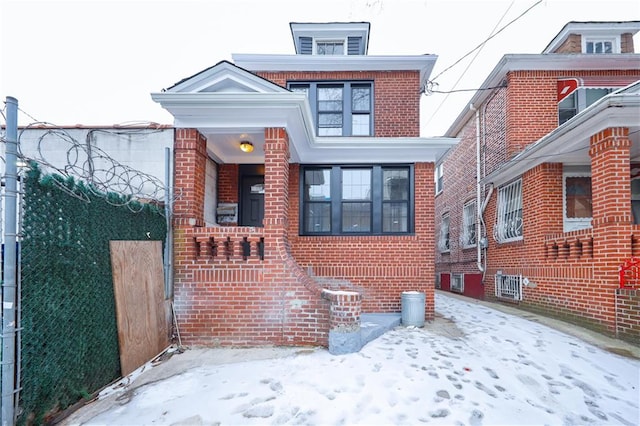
(537, 203)
(304, 193)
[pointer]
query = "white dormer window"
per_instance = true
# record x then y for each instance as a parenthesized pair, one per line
(329, 47)
(600, 45)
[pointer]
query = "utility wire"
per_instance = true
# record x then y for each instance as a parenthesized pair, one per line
(487, 39)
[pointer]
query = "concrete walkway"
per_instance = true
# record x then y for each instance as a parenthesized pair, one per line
(476, 363)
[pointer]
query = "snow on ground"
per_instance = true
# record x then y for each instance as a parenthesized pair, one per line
(492, 368)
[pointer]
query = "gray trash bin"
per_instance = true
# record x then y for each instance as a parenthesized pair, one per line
(413, 305)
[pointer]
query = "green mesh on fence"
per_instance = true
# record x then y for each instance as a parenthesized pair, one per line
(69, 339)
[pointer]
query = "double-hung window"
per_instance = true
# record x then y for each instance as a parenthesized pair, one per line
(509, 216)
(340, 108)
(347, 200)
(469, 224)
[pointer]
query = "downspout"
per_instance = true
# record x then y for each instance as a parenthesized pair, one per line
(478, 194)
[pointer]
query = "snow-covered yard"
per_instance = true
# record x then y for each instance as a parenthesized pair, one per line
(474, 365)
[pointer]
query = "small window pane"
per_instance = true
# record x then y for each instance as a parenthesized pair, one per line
(330, 131)
(330, 120)
(578, 197)
(330, 99)
(330, 48)
(356, 217)
(396, 185)
(593, 95)
(360, 125)
(394, 217)
(317, 217)
(361, 98)
(356, 184)
(317, 185)
(300, 89)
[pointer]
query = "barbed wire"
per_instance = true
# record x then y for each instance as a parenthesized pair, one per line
(57, 151)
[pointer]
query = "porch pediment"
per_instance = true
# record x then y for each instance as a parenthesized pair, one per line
(224, 77)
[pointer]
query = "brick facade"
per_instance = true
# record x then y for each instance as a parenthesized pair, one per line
(572, 275)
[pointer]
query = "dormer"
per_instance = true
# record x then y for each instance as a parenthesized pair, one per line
(333, 38)
(595, 38)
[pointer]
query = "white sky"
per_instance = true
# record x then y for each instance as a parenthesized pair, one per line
(96, 62)
(504, 370)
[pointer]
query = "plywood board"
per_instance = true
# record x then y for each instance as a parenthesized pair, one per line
(138, 284)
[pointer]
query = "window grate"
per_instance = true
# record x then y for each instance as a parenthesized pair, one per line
(509, 217)
(509, 287)
(457, 283)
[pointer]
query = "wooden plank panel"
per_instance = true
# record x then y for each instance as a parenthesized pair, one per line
(138, 284)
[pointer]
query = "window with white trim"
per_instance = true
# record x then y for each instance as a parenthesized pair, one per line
(438, 177)
(635, 199)
(599, 45)
(444, 244)
(509, 213)
(329, 47)
(576, 189)
(468, 234)
(457, 283)
(579, 100)
(340, 108)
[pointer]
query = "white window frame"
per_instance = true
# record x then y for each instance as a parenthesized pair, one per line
(438, 177)
(330, 40)
(509, 227)
(444, 241)
(469, 232)
(572, 223)
(615, 43)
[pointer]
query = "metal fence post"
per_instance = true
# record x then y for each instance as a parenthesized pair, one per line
(9, 270)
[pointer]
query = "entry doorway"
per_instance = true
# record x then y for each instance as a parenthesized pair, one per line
(252, 201)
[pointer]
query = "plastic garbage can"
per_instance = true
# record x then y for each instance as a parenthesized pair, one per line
(413, 305)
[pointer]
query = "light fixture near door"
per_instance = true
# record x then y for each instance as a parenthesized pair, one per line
(246, 146)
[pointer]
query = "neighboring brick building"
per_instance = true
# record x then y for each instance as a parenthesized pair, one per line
(304, 194)
(534, 205)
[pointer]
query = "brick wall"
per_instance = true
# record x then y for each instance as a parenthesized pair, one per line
(628, 316)
(380, 268)
(396, 109)
(573, 275)
(231, 299)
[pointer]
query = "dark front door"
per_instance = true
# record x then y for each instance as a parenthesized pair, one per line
(252, 208)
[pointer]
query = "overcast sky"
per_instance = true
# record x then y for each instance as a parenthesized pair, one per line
(96, 62)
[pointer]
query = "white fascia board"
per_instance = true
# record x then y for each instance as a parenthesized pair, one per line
(422, 63)
(221, 72)
(612, 111)
(359, 150)
(545, 62)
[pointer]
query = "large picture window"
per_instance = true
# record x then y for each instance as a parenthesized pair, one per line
(340, 108)
(345, 200)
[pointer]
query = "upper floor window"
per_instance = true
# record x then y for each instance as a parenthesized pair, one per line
(329, 47)
(468, 237)
(577, 201)
(438, 176)
(444, 242)
(356, 200)
(509, 215)
(579, 100)
(600, 45)
(340, 109)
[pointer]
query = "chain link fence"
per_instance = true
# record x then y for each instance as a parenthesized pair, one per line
(66, 345)
(69, 335)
